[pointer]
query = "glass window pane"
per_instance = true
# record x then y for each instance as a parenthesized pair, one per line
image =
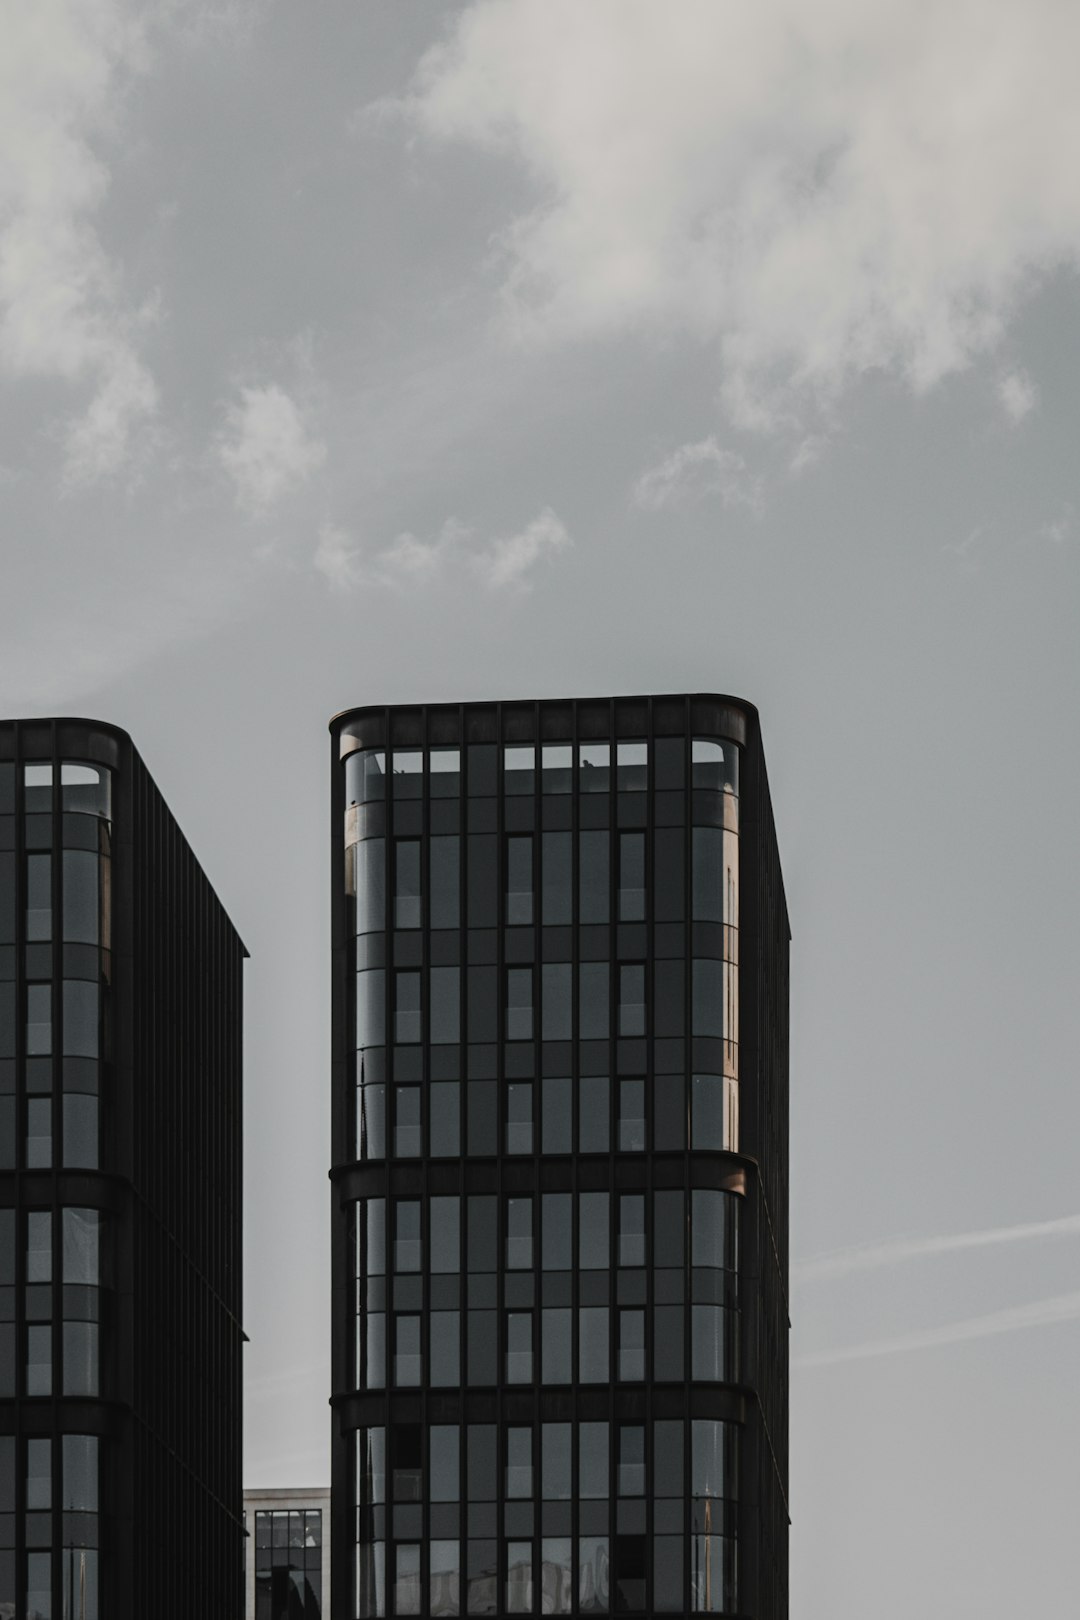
(407, 883)
(445, 1235)
(632, 766)
(556, 1440)
(39, 897)
(445, 990)
(519, 881)
(445, 862)
(595, 1110)
(558, 1115)
(594, 877)
(371, 886)
(557, 760)
(556, 877)
(594, 1012)
(519, 768)
(594, 1232)
(594, 765)
(81, 899)
(556, 1009)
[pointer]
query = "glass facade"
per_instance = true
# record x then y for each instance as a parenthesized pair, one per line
(115, 1409)
(56, 974)
(553, 1230)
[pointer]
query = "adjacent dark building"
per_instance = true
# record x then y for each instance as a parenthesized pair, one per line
(560, 1164)
(120, 1187)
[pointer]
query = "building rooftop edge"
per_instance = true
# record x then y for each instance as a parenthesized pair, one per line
(124, 736)
(591, 697)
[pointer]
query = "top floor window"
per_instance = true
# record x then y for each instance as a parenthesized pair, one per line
(632, 767)
(519, 769)
(365, 777)
(594, 762)
(445, 772)
(715, 765)
(557, 768)
(408, 773)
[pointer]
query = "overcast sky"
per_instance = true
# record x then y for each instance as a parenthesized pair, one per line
(362, 351)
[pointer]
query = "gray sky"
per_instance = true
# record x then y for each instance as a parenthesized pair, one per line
(368, 352)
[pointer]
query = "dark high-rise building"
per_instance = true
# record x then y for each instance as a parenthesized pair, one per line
(120, 1184)
(560, 1173)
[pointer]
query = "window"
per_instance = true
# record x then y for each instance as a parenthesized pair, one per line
(445, 773)
(407, 1358)
(370, 886)
(594, 765)
(407, 1016)
(519, 1242)
(631, 1116)
(82, 1019)
(708, 875)
(708, 1000)
(594, 1126)
(555, 1007)
(593, 1011)
(86, 789)
(365, 777)
(407, 1244)
(519, 1358)
(519, 1464)
(407, 883)
(445, 1010)
(631, 1460)
(371, 1008)
(519, 881)
(593, 1353)
(556, 879)
(593, 1231)
(408, 773)
(632, 999)
(445, 1235)
(632, 1229)
(594, 878)
(519, 769)
(407, 1128)
(556, 1453)
(519, 1117)
(38, 1020)
(557, 767)
(519, 1577)
(82, 920)
(445, 1462)
(631, 877)
(557, 1122)
(519, 1004)
(39, 897)
(632, 1345)
(632, 766)
(445, 867)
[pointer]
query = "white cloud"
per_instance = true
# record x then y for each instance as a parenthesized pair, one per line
(63, 68)
(696, 470)
(871, 1257)
(1017, 395)
(1040, 1313)
(502, 563)
(266, 447)
(821, 190)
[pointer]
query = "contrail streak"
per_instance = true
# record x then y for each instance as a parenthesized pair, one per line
(844, 1262)
(1041, 1313)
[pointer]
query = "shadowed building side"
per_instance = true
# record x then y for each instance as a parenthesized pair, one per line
(120, 1193)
